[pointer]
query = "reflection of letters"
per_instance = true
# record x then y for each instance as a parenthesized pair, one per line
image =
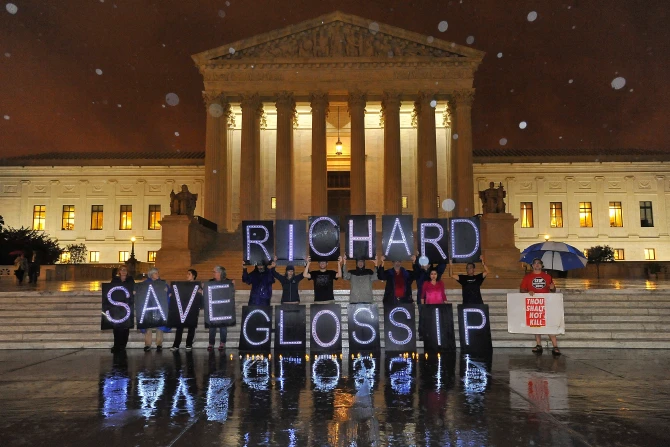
(182, 390)
(321, 382)
(218, 392)
(150, 390)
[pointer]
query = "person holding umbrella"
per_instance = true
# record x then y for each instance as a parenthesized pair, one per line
(538, 281)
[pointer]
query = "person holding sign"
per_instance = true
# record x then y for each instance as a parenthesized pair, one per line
(432, 291)
(534, 282)
(121, 334)
(470, 282)
(153, 275)
(191, 275)
(219, 276)
(361, 281)
(260, 279)
(398, 282)
(289, 283)
(323, 280)
(422, 269)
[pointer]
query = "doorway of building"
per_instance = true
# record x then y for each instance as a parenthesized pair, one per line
(339, 195)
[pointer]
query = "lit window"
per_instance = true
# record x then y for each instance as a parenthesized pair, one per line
(96, 217)
(646, 214)
(556, 214)
(526, 214)
(94, 256)
(124, 256)
(64, 257)
(154, 217)
(649, 254)
(68, 217)
(273, 203)
(618, 254)
(585, 214)
(616, 217)
(404, 202)
(126, 220)
(151, 256)
(39, 216)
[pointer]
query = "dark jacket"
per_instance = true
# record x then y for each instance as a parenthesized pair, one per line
(289, 287)
(389, 291)
(421, 275)
(261, 286)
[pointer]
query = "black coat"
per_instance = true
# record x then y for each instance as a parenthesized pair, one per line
(389, 291)
(289, 287)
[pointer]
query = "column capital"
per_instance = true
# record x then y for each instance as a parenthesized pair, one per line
(423, 98)
(356, 100)
(319, 101)
(464, 97)
(252, 102)
(210, 98)
(285, 99)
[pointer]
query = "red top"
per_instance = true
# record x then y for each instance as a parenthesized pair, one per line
(433, 294)
(537, 282)
(399, 283)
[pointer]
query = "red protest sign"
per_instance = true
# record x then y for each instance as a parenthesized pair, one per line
(536, 312)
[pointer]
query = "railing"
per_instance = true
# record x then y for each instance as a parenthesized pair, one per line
(206, 223)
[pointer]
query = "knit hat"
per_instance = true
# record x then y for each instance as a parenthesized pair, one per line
(290, 267)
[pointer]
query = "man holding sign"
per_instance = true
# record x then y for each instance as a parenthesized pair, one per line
(538, 281)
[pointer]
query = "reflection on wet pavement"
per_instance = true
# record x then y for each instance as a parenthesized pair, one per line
(88, 397)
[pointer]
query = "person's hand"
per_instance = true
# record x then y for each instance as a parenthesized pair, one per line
(451, 261)
(344, 258)
(531, 293)
(309, 259)
(413, 259)
(275, 259)
(339, 260)
(383, 259)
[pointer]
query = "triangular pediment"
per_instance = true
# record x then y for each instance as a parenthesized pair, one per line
(337, 36)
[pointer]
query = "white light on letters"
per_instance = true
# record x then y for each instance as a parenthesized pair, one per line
(435, 241)
(257, 241)
(400, 325)
(117, 303)
(466, 311)
(115, 395)
(259, 329)
(453, 223)
(182, 315)
(290, 242)
(337, 328)
(311, 241)
(476, 376)
(281, 332)
(182, 390)
(437, 326)
(374, 333)
(261, 379)
(322, 383)
(364, 370)
(150, 389)
(213, 302)
(353, 238)
(218, 392)
(401, 379)
(152, 293)
(396, 225)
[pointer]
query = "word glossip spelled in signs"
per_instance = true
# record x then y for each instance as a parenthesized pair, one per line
(319, 237)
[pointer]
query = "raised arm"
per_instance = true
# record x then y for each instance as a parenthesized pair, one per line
(338, 275)
(486, 269)
(306, 272)
(345, 274)
(451, 270)
(245, 275)
(380, 269)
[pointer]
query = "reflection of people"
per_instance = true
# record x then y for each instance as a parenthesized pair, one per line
(534, 282)
(21, 264)
(260, 279)
(432, 291)
(191, 275)
(289, 283)
(121, 334)
(323, 280)
(153, 275)
(470, 282)
(33, 269)
(219, 276)
(398, 282)
(361, 281)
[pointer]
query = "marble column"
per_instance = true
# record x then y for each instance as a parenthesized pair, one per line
(216, 206)
(356, 103)
(319, 104)
(426, 157)
(392, 170)
(461, 170)
(250, 185)
(284, 167)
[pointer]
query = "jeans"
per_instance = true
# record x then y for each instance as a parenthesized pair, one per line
(223, 334)
(189, 336)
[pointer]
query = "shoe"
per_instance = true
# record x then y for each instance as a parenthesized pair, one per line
(210, 347)
(159, 348)
(147, 348)
(556, 351)
(189, 348)
(537, 349)
(114, 349)
(222, 347)
(174, 348)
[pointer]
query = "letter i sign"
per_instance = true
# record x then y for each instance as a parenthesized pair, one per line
(536, 312)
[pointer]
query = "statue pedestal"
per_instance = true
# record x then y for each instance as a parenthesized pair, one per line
(499, 251)
(182, 241)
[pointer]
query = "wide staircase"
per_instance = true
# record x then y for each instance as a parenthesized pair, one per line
(594, 319)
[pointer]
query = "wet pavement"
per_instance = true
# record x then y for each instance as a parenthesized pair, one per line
(513, 398)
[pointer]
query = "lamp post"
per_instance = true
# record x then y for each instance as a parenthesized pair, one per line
(131, 263)
(546, 237)
(338, 145)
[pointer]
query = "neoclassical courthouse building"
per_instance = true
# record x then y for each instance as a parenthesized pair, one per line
(340, 115)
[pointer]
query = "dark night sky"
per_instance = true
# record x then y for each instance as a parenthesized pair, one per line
(51, 98)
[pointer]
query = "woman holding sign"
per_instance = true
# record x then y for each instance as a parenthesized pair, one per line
(289, 283)
(432, 291)
(121, 334)
(191, 275)
(153, 275)
(538, 281)
(219, 276)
